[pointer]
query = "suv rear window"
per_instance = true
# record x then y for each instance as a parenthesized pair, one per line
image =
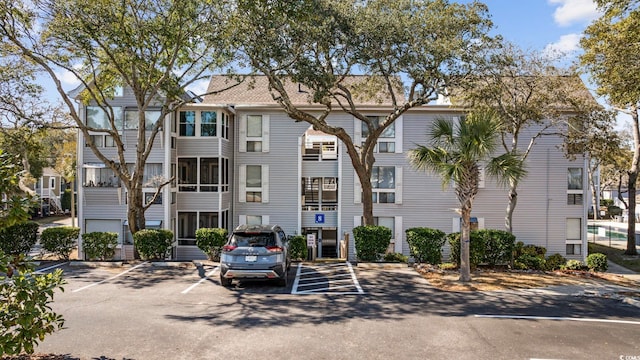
(252, 239)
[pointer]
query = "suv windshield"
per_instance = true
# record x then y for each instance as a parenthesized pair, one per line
(252, 240)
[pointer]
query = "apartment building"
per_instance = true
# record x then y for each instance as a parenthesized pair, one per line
(239, 159)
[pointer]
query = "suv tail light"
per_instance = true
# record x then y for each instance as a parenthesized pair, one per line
(228, 248)
(274, 248)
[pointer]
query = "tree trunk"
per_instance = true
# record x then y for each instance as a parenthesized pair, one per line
(465, 239)
(511, 207)
(135, 215)
(631, 227)
(633, 178)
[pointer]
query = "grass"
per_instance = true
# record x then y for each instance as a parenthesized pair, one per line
(617, 256)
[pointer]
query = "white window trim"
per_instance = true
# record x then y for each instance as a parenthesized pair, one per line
(242, 133)
(357, 188)
(242, 184)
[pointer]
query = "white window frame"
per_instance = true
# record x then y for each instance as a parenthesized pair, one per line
(357, 188)
(221, 124)
(242, 133)
(243, 189)
(397, 139)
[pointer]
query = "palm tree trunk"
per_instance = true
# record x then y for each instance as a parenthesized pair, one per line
(465, 239)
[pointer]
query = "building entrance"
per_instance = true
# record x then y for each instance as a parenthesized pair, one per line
(326, 241)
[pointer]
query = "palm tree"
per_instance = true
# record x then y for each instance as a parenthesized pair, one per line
(457, 153)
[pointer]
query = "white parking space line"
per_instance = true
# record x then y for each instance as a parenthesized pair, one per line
(326, 279)
(109, 279)
(206, 277)
(42, 271)
(523, 317)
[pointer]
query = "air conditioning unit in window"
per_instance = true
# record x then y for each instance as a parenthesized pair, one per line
(329, 186)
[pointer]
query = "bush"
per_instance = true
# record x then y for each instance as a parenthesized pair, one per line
(574, 265)
(533, 250)
(476, 248)
(614, 210)
(371, 241)
(60, 240)
(298, 247)
(19, 238)
(211, 241)
(26, 316)
(528, 261)
(395, 257)
(498, 246)
(597, 262)
(99, 245)
(153, 244)
(426, 244)
(555, 262)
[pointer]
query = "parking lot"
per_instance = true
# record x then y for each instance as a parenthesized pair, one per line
(338, 311)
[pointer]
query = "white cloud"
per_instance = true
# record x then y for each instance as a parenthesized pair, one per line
(199, 87)
(572, 11)
(67, 78)
(566, 45)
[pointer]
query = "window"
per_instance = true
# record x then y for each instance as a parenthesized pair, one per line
(383, 183)
(254, 183)
(387, 140)
(149, 195)
(153, 175)
(190, 221)
(187, 124)
(319, 194)
(574, 186)
(574, 236)
(574, 181)
(254, 219)
(102, 141)
(208, 123)
(208, 170)
(98, 118)
(224, 126)
(254, 133)
(132, 119)
(209, 220)
(98, 175)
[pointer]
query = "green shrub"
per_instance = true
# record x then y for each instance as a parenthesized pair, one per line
(26, 316)
(614, 210)
(60, 240)
(19, 238)
(597, 262)
(298, 247)
(529, 262)
(426, 244)
(211, 241)
(555, 262)
(574, 265)
(153, 244)
(99, 245)
(476, 248)
(498, 246)
(533, 250)
(448, 266)
(395, 257)
(371, 241)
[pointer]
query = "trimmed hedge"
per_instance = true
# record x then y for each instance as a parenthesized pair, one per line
(211, 241)
(597, 262)
(298, 247)
(395, 257)
(371, 241)
(60, 240)
(426, 244)
(99, 245)
(19, 238)
(487, 246)
(153, 244)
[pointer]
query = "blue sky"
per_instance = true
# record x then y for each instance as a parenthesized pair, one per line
(542, 24)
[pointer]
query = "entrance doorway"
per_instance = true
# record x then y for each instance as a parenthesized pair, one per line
(326, 241)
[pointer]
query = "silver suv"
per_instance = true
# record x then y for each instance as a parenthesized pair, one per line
(255, 252)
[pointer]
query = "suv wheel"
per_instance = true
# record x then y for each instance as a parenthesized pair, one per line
(225, 282)
(283, 281)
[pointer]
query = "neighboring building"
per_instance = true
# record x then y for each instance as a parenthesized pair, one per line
(238, 158)
(49, 189)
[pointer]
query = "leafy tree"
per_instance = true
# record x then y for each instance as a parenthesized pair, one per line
(155, 48)
(610, 55)
(530, 96)
(320, 44)
(14, 206)
(455, 152)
